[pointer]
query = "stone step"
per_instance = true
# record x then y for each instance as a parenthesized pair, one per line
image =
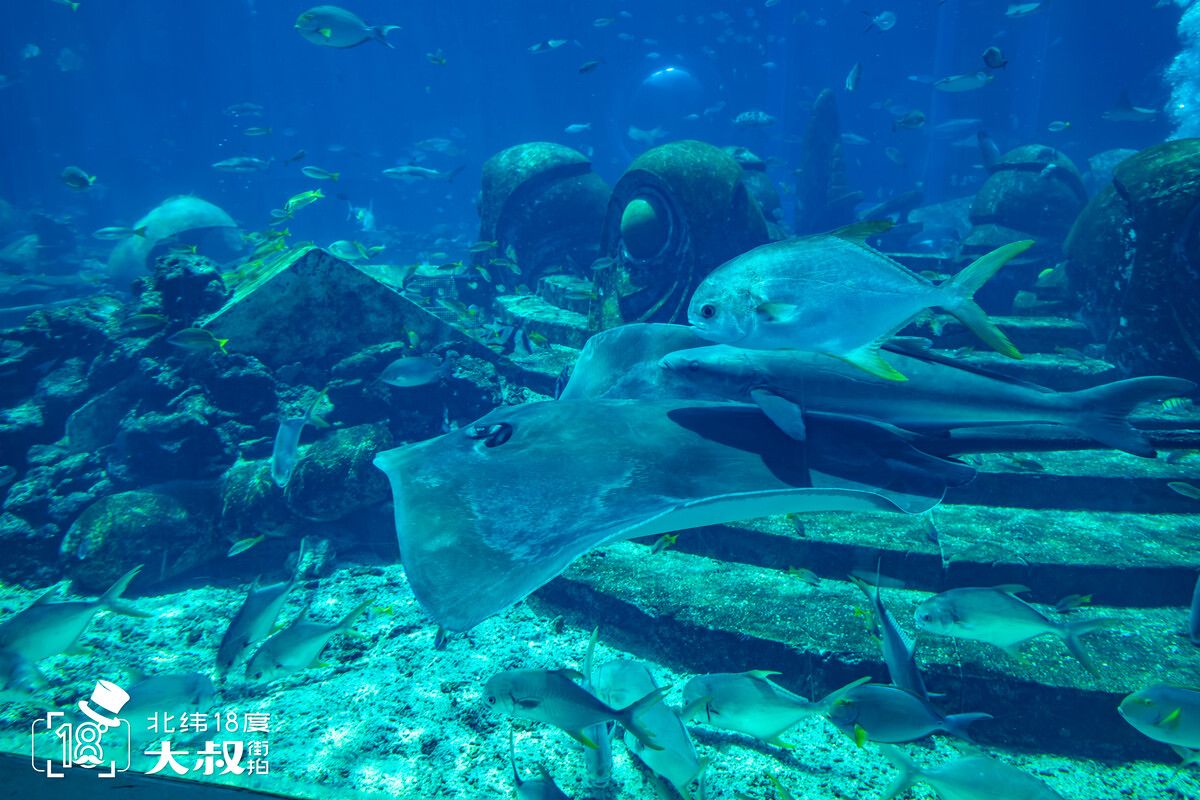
(1031, 334)
(535, 314)
(699, 615)
(1121, 559)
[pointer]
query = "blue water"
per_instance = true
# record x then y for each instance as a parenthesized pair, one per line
(144, 111)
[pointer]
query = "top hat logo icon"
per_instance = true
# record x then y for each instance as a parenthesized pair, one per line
(109, 697)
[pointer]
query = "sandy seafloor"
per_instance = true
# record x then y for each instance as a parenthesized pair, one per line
(390, 715)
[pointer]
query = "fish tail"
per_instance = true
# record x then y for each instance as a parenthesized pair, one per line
(910, 773)
(628, 717)
(380, 33)
(1102, 411)
(957, 724)
(1072, 631)
(959, 292)
(348, 621)
(112, 598)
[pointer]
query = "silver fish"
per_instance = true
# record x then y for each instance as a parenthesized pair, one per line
(997, 616)
(598, 762)
(899, 649)
(298, 646)
(967, 82)
(412, 371)
(975, 777)
(554, 697)
(542, 788)
(938, 397)
(411, 173)
(241, 164)
(751, 703)
(254, 619)
(879, 713)
(621, 682)
(285, 453)
(833, 294)
(47, 628)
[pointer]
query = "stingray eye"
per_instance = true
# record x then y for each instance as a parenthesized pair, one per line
(708, 311)
(693, 365)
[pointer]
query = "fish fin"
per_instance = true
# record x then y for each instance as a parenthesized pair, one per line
(589, 659)
(349, 619)
(1103, 411)
(775, 740)
(49, 594)
(859, 232)
(1072, 631)
(379, 33)
(140, 232)
(112, 598)
(221, 344)
(688, 712)
(776, 312)
(1171, 720)
(570, 674)
(909, 771)
(1189, 756)
(827, 703)
(957, 724)
(582, 739)
(628, 717)
(869, 359)
(861, 737)
(958, 295)
(1012, 588)
(325, 32)
(786, 415)
(762, 674)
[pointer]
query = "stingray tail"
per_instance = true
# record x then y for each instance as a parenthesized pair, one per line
(1103, 411)
(628, 717)
(910, 773)
(958, 296)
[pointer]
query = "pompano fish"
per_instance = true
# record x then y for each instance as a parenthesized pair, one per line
(623, 681)
(542, 788)
(47, 628)
(298, 646)
(899, 650)
(254, 619)
(173, 693)
(554, 697)
(753, 704)
(833, 294)
(1168, 714)
(879, 713)
(975, 777)
(939, 396)
(997, 616)
(331, 26)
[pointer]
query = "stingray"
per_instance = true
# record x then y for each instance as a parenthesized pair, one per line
(487, 514)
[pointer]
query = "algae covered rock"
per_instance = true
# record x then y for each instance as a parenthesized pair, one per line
(336, 476)
(1134, 261)
(183, 287)
(251, 503)
(1033, 192)
(120, 531)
